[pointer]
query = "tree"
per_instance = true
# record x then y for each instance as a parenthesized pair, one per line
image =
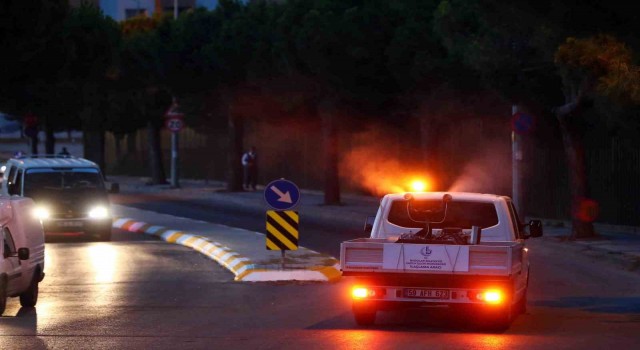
(340, 45)
(200, 53)
(31, 37)
(188, 60)
(143, 72)
(242, 55)
(595, 65)
(434, 83)
(94, 39)
(512, 46)
(224, 51)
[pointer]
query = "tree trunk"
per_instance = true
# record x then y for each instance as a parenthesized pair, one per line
(94, 147)
(158, 176)
(119, 156)
(33, 142)
(132, 150)
(93, 134)
(582, 226)
(50, 139)
(331, 145)
(236, 135)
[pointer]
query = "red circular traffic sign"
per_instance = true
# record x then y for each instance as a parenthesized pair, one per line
(30, 120)
(174, 124)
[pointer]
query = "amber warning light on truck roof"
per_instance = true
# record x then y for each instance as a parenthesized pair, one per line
(418, 185)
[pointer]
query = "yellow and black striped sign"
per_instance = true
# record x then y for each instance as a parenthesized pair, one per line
(282, 230)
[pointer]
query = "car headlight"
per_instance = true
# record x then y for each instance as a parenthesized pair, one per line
(41, 213)
(98, 212)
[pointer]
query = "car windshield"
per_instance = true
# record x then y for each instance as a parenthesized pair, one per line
(42, 182)
(459, 214)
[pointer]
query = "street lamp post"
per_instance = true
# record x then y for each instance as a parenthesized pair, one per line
(175, 182)
(175, 9)
(174, 124)
(516, 166)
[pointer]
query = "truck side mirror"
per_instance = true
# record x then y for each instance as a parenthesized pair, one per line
(368, 224)
(115, 188)
(535, 228)
(23, 253)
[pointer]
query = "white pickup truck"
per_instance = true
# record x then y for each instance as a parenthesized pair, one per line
(464, 251)
(21, 251)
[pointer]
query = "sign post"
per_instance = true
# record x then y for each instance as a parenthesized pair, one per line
(521, 124)
(282, 222)
(31, 131)
(174, 121)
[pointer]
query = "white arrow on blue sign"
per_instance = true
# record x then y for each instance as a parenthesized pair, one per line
(281, 194)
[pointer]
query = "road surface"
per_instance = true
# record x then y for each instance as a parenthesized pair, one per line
(138, 292)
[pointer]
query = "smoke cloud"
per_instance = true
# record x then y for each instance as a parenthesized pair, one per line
(488, 171)
(379, 162)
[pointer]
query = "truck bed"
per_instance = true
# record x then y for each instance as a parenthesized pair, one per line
(364, 256)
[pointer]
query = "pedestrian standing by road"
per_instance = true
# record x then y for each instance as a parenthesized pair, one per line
(250, 165)
(64, 152)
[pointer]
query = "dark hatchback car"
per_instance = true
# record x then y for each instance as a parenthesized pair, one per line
(70, 194)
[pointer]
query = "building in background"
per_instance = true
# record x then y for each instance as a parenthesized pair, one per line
(124, 9)
(76, 3)
(9, 125)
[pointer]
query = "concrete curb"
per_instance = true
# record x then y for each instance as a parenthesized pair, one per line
(629, 261)
(240, 266)
(635, 230)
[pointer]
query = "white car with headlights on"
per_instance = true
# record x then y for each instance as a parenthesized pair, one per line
(70, 194)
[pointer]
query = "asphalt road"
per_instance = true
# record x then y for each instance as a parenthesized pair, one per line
(136, 292)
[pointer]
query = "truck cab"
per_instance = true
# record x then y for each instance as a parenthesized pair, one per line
(21, 251)
(495, 215)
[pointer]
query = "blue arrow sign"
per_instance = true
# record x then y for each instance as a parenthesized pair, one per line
(281, 194)
(522, 123)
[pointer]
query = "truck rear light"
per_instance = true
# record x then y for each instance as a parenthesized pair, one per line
(491, 296)
(363, 292)
(359, 293)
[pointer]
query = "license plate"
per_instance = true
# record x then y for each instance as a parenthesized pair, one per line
(426, 293)
(69, 223)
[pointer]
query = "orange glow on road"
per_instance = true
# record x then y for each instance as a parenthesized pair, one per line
(103, 258)
(491, 342)
(360, 340)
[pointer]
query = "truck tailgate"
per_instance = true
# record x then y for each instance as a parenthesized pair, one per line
(367, 255)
